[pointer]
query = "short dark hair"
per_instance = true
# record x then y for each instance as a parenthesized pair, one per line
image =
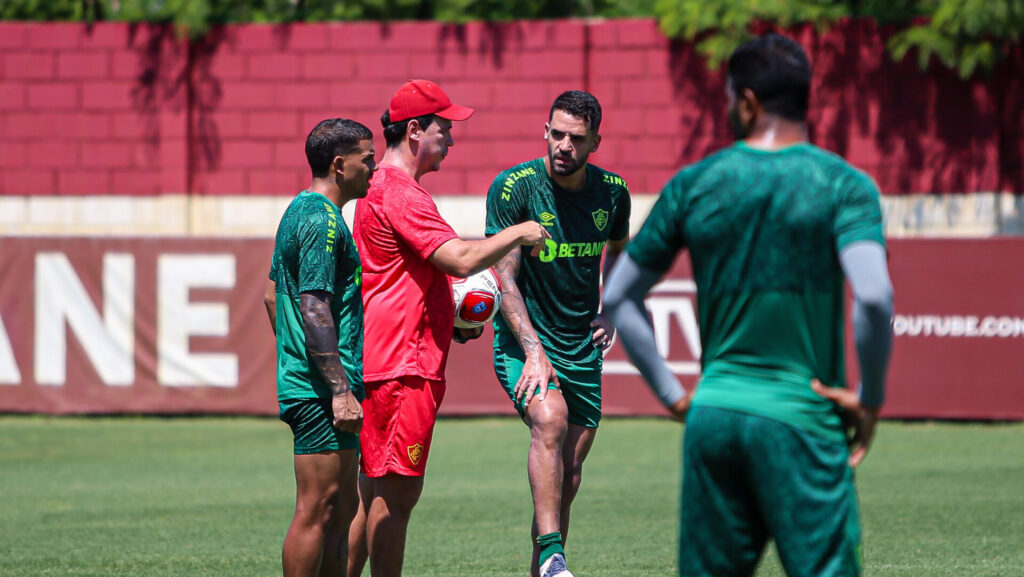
(394, 132)
(330, 138)
(776, 69)
(581, 105)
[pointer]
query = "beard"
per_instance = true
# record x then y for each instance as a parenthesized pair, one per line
(354, 188)
(739, 131)
(571, 166)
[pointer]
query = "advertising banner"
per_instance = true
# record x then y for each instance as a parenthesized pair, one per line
(141, 325)
(178, 326)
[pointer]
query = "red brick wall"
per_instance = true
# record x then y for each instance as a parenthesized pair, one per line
(122, 109)
(90, 110)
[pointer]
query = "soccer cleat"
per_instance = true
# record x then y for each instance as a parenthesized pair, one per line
(555, 567)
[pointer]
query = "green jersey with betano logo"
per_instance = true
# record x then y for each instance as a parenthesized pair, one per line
(764, 229)
(314, 251)
(561, 285)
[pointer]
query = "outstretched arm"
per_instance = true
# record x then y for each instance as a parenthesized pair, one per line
(537, 370)
(322, 344)
(461, 258)
(624, 297)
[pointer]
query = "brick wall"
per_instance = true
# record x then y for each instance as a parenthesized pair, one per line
(118, 109)
(91, 110)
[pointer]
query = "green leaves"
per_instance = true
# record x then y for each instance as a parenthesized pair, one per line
(966, 35)
(76, 10)
(719, 26)
(969, 36)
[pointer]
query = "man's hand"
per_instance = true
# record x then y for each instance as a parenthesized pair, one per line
(861, 420)
(348, 414)
(604, 332)
(680, 408)
(463, 336)
(531, 233)
(537, 373)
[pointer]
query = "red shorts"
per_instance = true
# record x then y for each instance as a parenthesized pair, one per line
(398, 422)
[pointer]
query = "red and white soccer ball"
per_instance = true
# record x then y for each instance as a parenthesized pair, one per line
(477, 298)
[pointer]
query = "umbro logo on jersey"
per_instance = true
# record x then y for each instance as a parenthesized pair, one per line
(547, 219)
(600, 218)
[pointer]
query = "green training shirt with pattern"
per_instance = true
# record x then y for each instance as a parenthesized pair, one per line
(764, 230)
(560, 286)
(314, 251)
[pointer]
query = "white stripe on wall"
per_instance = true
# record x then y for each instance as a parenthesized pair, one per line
(949, 215)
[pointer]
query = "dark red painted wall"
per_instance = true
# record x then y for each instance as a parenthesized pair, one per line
(122, 109)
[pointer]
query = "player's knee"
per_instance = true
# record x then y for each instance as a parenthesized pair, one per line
(403, 503)
(400, 494)
(549, 431)
(400, 506)
(316, 508)
(573, 473)
(549, 415)
(347, 504)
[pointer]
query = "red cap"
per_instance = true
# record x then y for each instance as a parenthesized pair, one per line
(422, 97)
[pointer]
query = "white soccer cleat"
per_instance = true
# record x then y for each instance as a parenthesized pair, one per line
(555, 567)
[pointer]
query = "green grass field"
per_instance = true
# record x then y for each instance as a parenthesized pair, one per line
(213, 496)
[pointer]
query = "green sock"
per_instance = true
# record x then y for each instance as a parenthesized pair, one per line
(549, 545)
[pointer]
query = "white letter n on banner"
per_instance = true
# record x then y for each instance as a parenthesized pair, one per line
(62, 300)
(178, 319)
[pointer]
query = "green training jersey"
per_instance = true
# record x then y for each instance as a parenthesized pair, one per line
(764, 229)
(560, 286)
(314, 251)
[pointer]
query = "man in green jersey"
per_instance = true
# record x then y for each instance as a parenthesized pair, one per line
(773, 225)
(316, 309)
(550, 336)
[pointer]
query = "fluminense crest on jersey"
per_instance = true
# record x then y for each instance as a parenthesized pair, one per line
(600, 218)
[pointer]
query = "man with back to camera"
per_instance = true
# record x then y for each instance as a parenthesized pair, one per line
(550, 337)
(772, 223)
(316, 310)
(408, 251)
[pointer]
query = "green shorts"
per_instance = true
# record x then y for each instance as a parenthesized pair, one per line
(580, 386)
(310, 420)
(747, 479)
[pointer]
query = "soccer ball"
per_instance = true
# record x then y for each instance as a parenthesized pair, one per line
(477, 298)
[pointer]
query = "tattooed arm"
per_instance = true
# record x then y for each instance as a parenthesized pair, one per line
(322, 344)
(537, 370)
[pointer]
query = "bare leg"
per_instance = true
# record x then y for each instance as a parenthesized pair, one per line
(577, 446)
(548, 427)
(335, 549)
(324, 503)
(392, 500)
(357, 551)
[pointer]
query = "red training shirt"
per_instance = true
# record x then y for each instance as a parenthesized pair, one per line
(407, 301)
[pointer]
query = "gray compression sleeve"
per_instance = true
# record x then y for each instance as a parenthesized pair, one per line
(624, 304)
(865, 266)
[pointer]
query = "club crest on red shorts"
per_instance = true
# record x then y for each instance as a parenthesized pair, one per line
(415, 452)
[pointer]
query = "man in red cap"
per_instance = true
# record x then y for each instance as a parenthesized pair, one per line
(407, 251)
